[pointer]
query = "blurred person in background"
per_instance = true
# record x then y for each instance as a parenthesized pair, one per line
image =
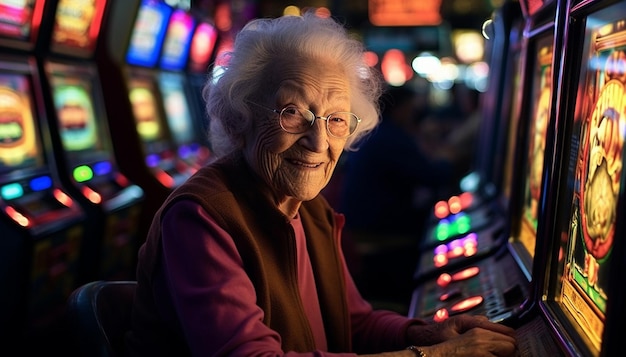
(389, 187)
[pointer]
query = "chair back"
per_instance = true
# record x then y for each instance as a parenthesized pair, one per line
(99, 317)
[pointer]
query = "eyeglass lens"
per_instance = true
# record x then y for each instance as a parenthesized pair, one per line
(340, 124)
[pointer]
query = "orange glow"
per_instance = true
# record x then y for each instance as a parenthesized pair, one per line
(322, 12)
(441, 209)
(17, 217)
(404, 13)
(456, 251)
(63, 198)
(466, 199)
(370, 58)
(91, 195)
(444, 279)
(441, 315)
(223, 16)
(471, 247)
(465, 274)
(394, 67)
(440, 260)
(467, 304)
(454, 203)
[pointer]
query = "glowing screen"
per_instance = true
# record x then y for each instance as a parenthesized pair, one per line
(77, 23)
(75, 112)
(594, 175)
(148, 33)
(176, 107)
(19, 144)
(202, 46)
(177, 40)
(540, 116)
(145, 109)
(16, 18)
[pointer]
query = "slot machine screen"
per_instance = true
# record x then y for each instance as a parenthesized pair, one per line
(73, 101)
(17, 19)
(176, 107)
(148, 33)
(177, 39)
(541, 93)
(145, 104)
(20, 146)
(202, 46)
(76, 26)
(578, 281)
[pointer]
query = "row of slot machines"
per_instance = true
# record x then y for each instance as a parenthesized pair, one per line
(539, 250)
(100, 118)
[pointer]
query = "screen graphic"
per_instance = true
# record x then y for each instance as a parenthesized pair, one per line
(145, 109)
(19, 144)
(77, 124)
(77, 23)
(540, 116)
(148, 33)
(177, 39)
(594, 176)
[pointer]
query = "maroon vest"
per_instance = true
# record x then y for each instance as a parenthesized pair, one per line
(240, 204)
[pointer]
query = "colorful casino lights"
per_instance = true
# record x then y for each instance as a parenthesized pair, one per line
(453, 205)
(451, 226)
(466, 246)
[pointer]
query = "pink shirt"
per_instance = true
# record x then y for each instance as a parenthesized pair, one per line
(208, 292)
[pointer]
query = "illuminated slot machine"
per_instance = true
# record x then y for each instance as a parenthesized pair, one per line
(127, 56)
(142, 55)
(41, 224)
(477, 204)
(581, 291)
(499, 285)
(179, 101)
(84, 147)
(469, 235)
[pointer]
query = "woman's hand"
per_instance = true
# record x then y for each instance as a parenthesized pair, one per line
(464, 335)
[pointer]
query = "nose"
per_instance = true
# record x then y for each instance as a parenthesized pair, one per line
(316, 138)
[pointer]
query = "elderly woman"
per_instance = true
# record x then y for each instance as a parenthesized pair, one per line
(244, 258)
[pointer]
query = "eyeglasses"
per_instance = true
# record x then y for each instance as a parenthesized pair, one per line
(296, 120)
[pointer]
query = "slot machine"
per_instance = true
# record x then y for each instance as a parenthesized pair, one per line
(499, 286)
(179, 101)
(127, 58)
(80, 132)
(581, 291)
(42, 225)
(477, 205)
(471, 234)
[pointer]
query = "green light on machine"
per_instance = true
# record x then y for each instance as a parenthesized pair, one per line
(82, 173)
(463, 224)
(442, 231)
(446, 228)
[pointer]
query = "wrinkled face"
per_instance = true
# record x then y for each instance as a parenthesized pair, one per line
(299, 165)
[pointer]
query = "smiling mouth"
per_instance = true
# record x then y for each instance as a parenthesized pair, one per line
(305, 164)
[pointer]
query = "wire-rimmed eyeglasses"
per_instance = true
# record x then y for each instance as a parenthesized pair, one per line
(296, 120)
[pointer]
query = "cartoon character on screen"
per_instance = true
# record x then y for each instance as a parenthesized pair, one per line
(603, 164)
